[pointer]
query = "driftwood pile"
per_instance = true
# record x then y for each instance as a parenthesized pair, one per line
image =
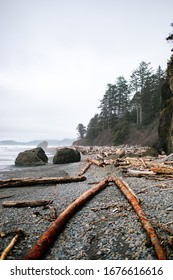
(132, 161)
(129, 160)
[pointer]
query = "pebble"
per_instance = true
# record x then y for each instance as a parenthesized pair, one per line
(101, 234)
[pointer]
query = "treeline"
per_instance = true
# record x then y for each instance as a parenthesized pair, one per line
(136, 101)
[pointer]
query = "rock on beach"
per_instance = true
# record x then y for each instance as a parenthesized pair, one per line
(105, 228)
(33, 157)
(66, 155)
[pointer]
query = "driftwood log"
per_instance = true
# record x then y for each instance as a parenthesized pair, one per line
(11, 245)
(163, 170)
(160, 252)
(26, 203)
(21, 182)
(45, 241)
(96, 162)
(85, 168)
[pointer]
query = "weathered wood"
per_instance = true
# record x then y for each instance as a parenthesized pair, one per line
(21, 182)
(6, 196)
(26, 203)
(159, 250)
(2, 234)
(11, 245)
(53, 214)
(163, 170)
(45, 241)
(85, 168)
(164, 227)
(96, 162)
(168, 162)
(140, 173)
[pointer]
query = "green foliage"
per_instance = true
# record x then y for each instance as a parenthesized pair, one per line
(137, 101)
(81, 130)
(170, 37)
(121, 132)
(93, 128)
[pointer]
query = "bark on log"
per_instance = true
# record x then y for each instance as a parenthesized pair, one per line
(159, 250)
(140, 173)
(163, 170)
(11, 245)
(45, 241)
(26, 203)
(21, 182)
(85, 168)
(96, 162)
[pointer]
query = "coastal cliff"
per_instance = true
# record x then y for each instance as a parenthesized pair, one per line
(165, 128)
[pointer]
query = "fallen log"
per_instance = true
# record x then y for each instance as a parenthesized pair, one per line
(21, 182)
(163, 170)
(96, 162)
(6, 196)
(11, 245)
(140, 173)
(159, 250)
(26, 203)
(168, 162)
(46, 240)
(85, 168)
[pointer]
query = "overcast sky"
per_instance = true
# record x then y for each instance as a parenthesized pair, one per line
(56, 58)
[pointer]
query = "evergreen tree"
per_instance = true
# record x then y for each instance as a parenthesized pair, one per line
(140, 76)
(140, 79)
(93, 128)
(81, 130)
(170, 37)
(123, 92)
(117, 111)
(158, 80)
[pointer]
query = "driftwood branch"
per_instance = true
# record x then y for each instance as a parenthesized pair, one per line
(11, 245)
(164, 227)
(96, 162)
(160, 253)
(53, 214)
(21, 182)
(26, 203)
(51, 234)
(6, 196)
(140, 173)
(163, 170)
(85, 168)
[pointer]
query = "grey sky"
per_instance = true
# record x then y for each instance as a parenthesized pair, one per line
(56, 58)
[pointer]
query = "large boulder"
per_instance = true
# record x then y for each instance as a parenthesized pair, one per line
(66, 155)
(33, 157)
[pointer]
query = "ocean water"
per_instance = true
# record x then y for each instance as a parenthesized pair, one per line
(8, 154)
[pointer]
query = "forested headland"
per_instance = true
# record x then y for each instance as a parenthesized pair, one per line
(129, 110)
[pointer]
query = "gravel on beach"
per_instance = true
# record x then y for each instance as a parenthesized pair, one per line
(105, 228)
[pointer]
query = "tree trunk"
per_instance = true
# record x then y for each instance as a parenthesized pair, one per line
(21, 182)
(51, 234)
(160, 253)
(96, 162)
(162, 170)
(85, 168)
(26, 203)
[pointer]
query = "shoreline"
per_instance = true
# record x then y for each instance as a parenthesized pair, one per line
(105, 228)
